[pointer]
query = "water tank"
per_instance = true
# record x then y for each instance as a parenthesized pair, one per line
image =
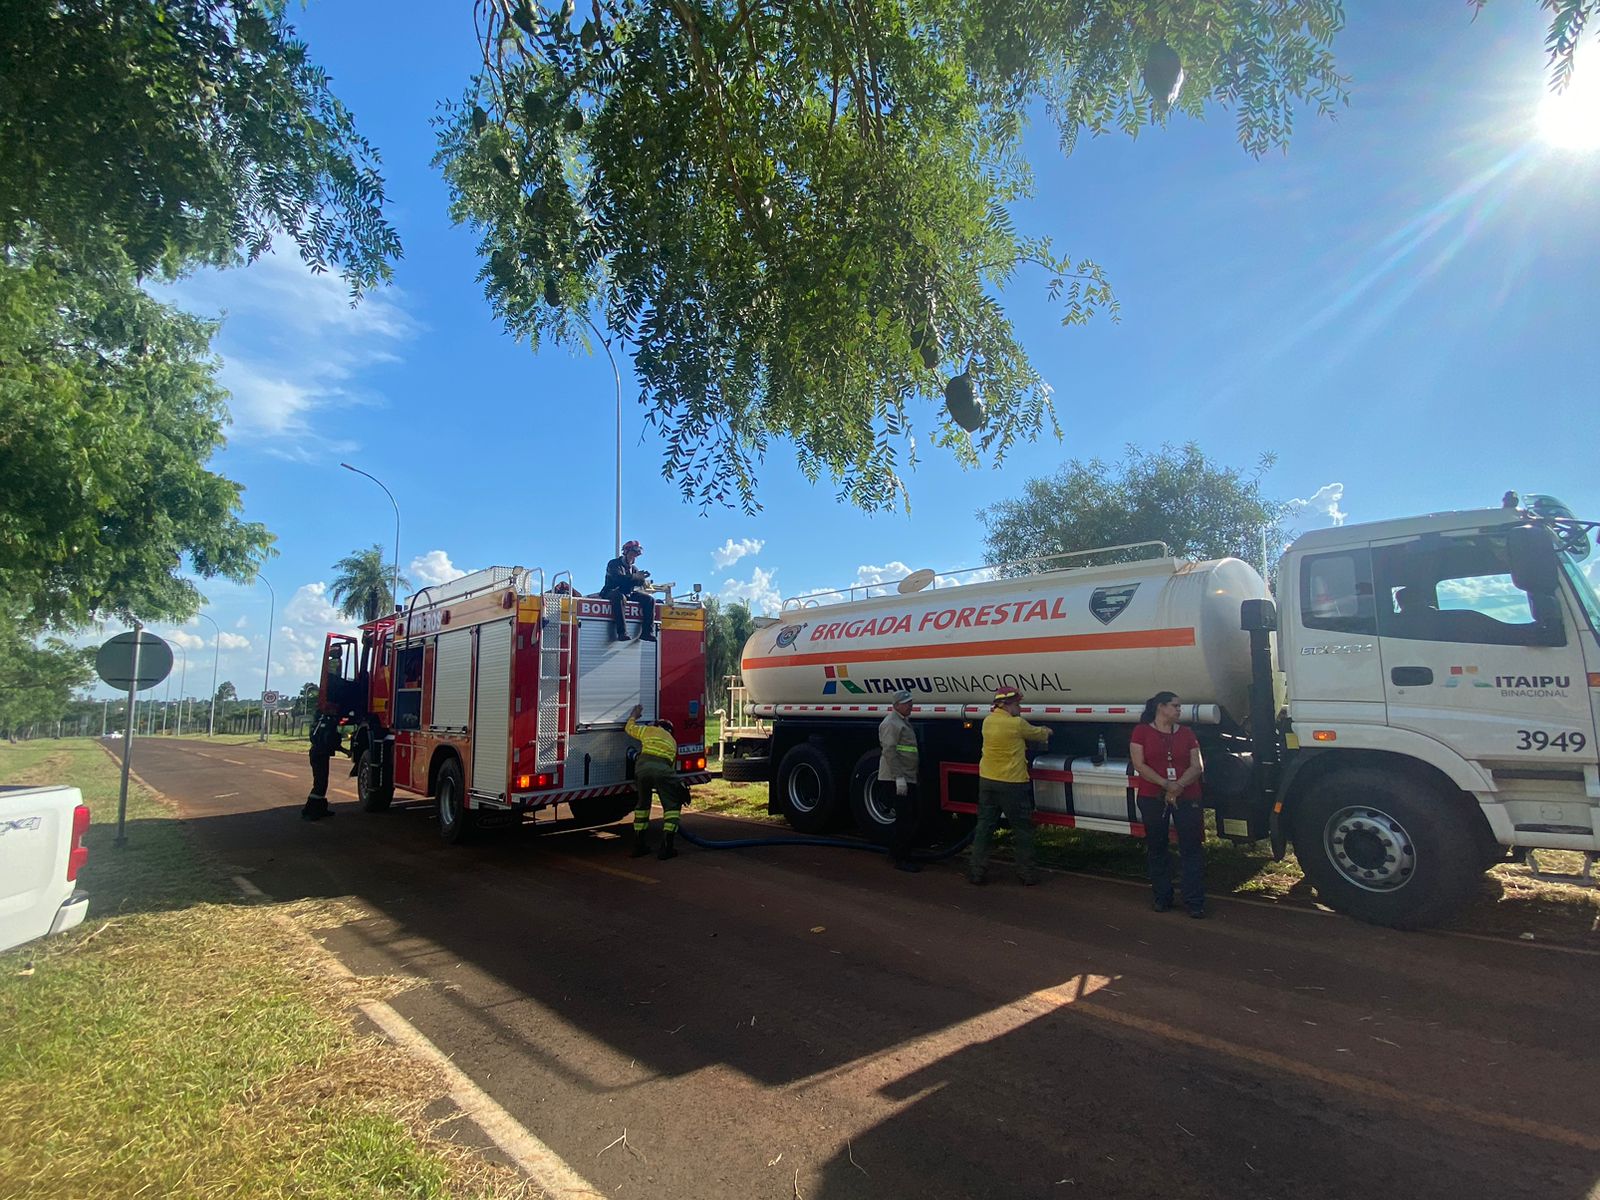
(1095, 635)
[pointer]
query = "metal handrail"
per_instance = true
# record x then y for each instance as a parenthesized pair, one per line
(813, 599)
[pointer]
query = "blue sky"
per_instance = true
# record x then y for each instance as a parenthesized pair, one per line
(1400, 308)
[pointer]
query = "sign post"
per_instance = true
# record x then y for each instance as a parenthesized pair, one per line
(135, 661)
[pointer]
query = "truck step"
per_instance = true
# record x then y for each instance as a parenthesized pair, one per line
(1583, 878)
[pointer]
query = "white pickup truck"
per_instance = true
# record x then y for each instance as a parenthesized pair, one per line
(41, 852)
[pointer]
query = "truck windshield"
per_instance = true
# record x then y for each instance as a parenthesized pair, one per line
(1581, 575)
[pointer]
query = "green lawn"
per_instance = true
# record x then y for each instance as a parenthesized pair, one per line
(181, 1043)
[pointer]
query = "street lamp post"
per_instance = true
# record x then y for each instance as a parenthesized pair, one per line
(216, 652)
(266, 676)
(394, 587)
(166, 704)
(616, 543)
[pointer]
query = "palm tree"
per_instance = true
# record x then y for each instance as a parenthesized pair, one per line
(361, 588)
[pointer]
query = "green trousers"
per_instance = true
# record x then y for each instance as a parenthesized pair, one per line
(652, 775)
(1016, 801)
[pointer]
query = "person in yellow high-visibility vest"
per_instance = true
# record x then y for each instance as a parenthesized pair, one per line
(1005, 785)
(655, 771)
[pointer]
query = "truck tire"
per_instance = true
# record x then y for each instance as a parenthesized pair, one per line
(808, 794)
(371, 798)
(450, 794)
(602, 810)
(747, 770)
(1386, 848)
(874, 818)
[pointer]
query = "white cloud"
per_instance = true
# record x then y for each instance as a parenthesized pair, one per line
(293, 347)
(760, 592)
(731, 551)
(434, 567)
(232, 641)
(189, 641)
(1325, 502)
(308, 618)
(241, 622)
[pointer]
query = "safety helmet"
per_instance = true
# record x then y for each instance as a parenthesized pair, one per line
(1006, 697)
(633, 546)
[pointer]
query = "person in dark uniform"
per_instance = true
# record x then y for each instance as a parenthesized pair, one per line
(326, 741)
(626, 582)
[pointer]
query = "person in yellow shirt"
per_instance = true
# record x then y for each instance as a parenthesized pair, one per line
(1004, 785)
(655, 771)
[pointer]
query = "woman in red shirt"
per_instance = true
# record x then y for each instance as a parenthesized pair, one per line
(1166, 783)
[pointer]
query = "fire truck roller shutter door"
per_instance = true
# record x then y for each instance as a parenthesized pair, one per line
(613, 676)
(452, 679)
(491, 729)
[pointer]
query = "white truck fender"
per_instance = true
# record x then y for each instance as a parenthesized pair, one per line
(1466, 775)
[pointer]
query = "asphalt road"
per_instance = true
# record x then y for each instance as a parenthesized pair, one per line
(808, 1023)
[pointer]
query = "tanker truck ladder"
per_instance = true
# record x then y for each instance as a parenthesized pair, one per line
(556, 644)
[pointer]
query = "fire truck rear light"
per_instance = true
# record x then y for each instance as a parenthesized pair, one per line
(524, 782)
(79, 853)
(1324, 735)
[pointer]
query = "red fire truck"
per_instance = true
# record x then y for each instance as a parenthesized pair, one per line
(495, 695)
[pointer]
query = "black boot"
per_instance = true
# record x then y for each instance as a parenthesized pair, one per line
(641, 843)
(666, 850)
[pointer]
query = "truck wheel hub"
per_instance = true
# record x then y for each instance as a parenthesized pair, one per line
(1370, 848)
(805, 788)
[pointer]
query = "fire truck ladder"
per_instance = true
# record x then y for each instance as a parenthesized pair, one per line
(558, 616)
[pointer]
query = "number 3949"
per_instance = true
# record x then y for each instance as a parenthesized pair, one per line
(1540, 739)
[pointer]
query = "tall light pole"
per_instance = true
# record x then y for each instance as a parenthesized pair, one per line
(215, 654)
(394, 588)
(166, 704)
(266, 676)
(616, 541)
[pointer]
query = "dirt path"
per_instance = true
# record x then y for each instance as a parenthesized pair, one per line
(803, 1022)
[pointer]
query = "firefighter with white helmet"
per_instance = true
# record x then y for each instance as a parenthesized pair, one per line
(626, 582)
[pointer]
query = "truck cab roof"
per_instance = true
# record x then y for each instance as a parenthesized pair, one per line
(1372, 531)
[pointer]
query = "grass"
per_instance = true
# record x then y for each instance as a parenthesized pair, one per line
(182, 1044)
(1510, 902)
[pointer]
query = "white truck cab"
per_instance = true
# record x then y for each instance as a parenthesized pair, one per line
(1442, 678)
(41, 852)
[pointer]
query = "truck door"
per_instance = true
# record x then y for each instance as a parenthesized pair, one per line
(1331, 655)
(1472, 660)
(338, 691)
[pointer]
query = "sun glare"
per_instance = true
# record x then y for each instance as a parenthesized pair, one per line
(1570, 120)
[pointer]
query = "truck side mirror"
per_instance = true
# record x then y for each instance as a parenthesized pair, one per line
(1258, 616)
(1533, 560)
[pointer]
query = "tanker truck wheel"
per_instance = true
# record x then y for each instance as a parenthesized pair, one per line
(1387, 848)
(873, 816)
(808, 794)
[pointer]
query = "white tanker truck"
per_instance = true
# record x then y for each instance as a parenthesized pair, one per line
(1421, 699)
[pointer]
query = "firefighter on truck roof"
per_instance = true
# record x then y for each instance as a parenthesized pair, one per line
(625, 582)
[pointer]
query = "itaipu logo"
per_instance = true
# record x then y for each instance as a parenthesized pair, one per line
(788, 635)
(837, 678)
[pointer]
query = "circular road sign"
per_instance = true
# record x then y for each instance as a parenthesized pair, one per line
(114, 661)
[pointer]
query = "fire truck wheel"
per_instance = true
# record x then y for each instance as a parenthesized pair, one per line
(874, 816)
(455, 819)
(1387, 848)
(602, 810)
(808, 794)
(371, 798)
(747, 770)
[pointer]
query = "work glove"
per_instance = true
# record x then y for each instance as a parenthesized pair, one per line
(900, 787)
